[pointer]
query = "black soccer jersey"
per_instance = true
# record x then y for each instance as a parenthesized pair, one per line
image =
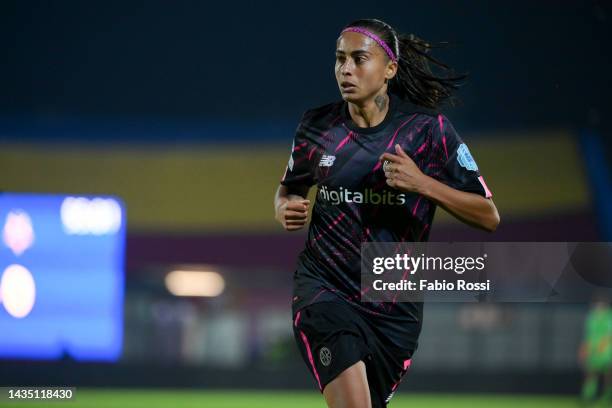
(354, 204)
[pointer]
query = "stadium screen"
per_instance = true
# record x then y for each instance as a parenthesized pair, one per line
(61, 277)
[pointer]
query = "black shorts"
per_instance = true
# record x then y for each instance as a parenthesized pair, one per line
(332, 336)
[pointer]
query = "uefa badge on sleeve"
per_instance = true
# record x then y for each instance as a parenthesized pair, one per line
(465, 158)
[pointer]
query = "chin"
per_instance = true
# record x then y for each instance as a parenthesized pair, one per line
(351, 97)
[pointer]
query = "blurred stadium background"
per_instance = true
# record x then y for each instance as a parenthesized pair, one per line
(181, 115)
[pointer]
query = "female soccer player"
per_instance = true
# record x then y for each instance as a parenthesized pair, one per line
(383, 158)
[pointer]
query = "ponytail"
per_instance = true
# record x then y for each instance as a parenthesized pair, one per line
(415, 79)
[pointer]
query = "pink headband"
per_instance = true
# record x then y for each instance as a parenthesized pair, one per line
(375, 38)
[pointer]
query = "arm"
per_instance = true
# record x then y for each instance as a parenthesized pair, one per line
(290, 201)
(403, 174)
(291, 206)
(471, 208)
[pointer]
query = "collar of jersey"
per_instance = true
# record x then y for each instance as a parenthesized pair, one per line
(393, 102)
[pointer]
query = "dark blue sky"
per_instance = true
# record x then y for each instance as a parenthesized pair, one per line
(541, 63)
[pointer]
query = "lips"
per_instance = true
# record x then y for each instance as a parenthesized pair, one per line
(345, 85)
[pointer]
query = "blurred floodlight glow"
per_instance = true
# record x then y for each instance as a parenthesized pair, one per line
(97, 216)
(17, 290)
(195, 283)
(18, 233)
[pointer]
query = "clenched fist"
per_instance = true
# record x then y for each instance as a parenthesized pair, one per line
(292, 214)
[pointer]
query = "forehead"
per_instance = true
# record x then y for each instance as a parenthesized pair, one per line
(351, 41)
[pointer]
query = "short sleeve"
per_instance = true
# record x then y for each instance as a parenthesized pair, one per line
(300, 169)
(458, 167)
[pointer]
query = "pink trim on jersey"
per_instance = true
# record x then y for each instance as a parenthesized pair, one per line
(320, 293)
(344, 141)
(423, 232)
(317, 295)
(421, 148)
(378, 163)
(311, 152)
(441, 123)
(297, 318)
(312, 364)
(416, 205)
(330, 226)
(298, 147)
(488, 192)
(285, 175)
(397, 131)
(407, 363)
(404, 275)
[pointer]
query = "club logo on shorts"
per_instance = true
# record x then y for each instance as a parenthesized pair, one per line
(325, 356)
(327, 160)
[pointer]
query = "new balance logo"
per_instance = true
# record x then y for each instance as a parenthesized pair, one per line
(327, 160)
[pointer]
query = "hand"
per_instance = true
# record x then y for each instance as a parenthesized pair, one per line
(402, 172)
(292, 214)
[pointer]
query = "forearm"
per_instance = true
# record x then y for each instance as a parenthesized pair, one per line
(471, 208)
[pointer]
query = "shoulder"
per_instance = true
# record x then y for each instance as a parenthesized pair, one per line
(432, 120)
(322, 114)
(316, 120)
(407, 108)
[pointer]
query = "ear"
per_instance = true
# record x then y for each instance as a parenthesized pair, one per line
(391, 70)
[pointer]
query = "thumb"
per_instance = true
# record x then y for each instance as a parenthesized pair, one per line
(400, 151)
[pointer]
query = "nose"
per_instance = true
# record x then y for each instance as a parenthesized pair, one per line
(347, 67)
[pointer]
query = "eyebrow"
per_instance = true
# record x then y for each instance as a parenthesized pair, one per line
(356, 52)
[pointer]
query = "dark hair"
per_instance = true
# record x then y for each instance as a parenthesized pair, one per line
(414, 79)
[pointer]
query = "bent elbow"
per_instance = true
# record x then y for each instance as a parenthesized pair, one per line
(492, 222)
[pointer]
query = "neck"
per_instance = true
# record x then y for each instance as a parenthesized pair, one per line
(370, 112)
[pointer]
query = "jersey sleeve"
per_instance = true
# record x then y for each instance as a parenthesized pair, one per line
(458, 168)
(300, 169)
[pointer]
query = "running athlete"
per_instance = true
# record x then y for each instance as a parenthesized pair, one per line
(596, 352)
(382, 158)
